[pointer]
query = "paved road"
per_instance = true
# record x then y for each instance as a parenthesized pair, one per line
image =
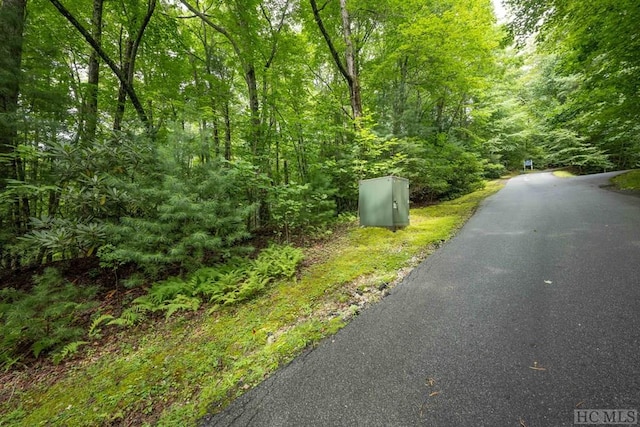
(546, 275)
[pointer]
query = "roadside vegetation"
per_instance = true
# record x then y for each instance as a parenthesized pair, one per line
(563, 174)
(170, 370)
(628, 181)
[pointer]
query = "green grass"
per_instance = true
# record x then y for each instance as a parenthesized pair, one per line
(627, 181)
(174, 372)
(563, 174)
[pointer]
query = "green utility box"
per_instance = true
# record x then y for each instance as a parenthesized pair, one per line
(384, 202)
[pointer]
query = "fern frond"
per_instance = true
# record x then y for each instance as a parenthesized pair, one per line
(68, 351)
(94, 331)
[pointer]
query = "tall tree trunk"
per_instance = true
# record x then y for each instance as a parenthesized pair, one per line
(400, 98)
(216, 136)
(350, 59)
(122, 91)
(254, 108)
(129, 64)
(12, 16)
(91, 99)
(250, 79)
(350, 70)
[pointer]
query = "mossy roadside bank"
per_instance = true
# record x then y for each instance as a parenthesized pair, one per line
(628, 181)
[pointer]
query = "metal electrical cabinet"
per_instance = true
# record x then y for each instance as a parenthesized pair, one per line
(384, 202)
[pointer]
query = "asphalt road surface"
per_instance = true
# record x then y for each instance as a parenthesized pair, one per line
(531, 311)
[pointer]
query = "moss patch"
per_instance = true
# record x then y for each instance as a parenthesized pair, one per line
(174, 372)
(627, 181)
(563, 174)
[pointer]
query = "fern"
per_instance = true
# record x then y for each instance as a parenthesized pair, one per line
(146, 303)
(251, 287)
(167, 290)
(282, 261)
(94, 330)
(129, 317)
(221, 284)
(181, 302)
(45, 319)
(7, 360)
(68, 351)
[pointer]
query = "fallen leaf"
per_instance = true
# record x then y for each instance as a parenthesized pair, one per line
(430, 382)
(579, 404)
(522, 423)
(435, 393)
(535, 367)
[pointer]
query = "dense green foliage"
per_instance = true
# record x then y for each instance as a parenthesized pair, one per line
(51, 317)
(162, 137)
(46, 319)
(147, 138)
(586, 90)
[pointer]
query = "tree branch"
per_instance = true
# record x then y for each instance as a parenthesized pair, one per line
(216, 27)
(332, 49)
(116, 70)
(136, 43)
(274, 47)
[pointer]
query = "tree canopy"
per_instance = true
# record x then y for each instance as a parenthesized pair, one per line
(165, 133)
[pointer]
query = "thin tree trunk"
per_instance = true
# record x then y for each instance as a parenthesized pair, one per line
(254, 108)
(216, 135)
(129, 64)
(400, 98)
(249, 77)
(91, 100)
(227, 131)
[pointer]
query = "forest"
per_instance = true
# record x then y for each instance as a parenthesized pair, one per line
(159, 137)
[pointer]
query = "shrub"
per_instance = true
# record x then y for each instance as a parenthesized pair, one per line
(439, 170)
(493, 170)
(195, 216)
(569, 149)
(43, 320)
(299, 208)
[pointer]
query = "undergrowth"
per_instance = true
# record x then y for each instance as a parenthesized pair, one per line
(236, 281)
(176, 371)
(46, 319)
